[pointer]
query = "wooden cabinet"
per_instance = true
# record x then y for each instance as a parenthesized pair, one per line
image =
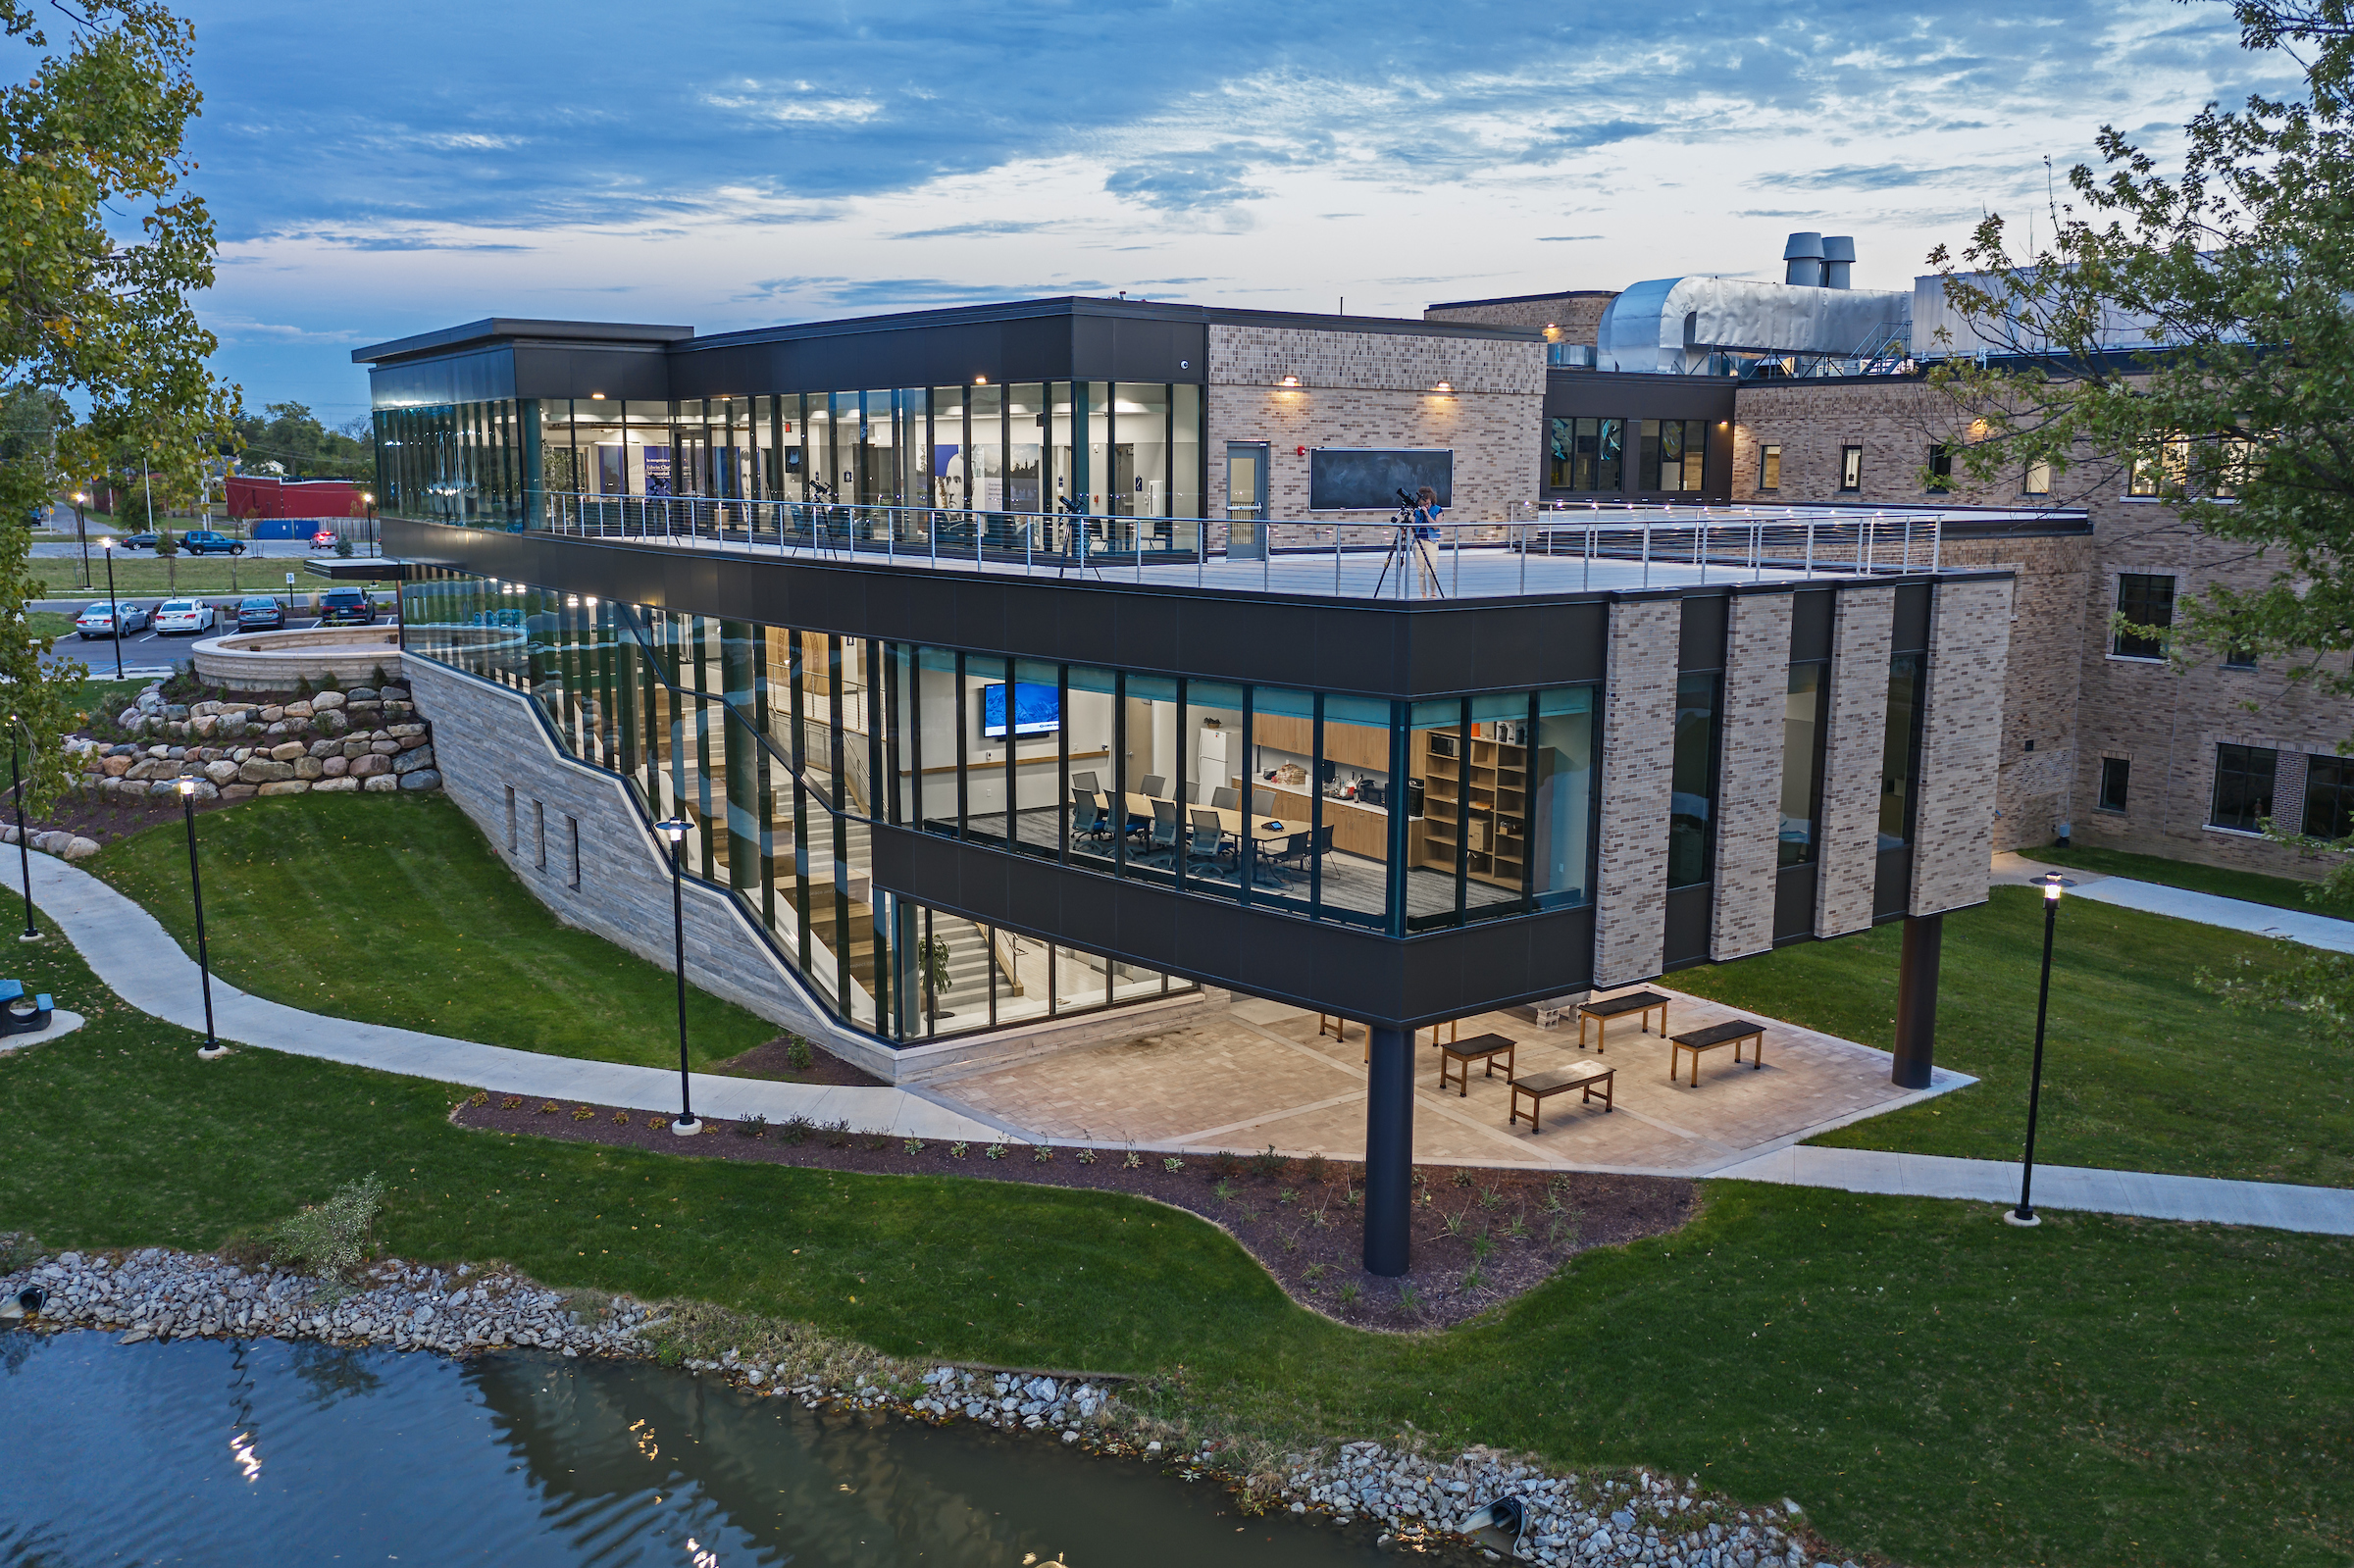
(1476, 795)
(1362, 746)
(1354, 830)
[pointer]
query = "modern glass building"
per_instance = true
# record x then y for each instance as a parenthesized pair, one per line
(946, 797)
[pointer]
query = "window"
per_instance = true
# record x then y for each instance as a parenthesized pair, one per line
(1770, 467)
(1851, 468)
(2115, 772)
(2238, 655)
(572, 832)
(1802, 764)
(1586, 455)
(1941, 469)
(1693, 781)
(1899, 748)
(2160, 469)
(510, 818)
(1672, 455)
(2243, 787)
(540, 835)
(2329, 796)
(2143, 600)
(2038, 479)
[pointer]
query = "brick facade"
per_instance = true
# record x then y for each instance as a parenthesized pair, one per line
(1638, 754)
(1847, 864)
(1574, 316)
(1961, 730)
(2068, 701)
(1378, 389)
(1757, 681)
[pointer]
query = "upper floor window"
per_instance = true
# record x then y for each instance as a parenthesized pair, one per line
(2160, 468)
(1851, 468)
(2243, 787)
(2037, 481)
(2146, 600)
(1770, 467)
(2329, 796)
(1586, 454)
(1673, 455)
(1941, 469)
(2117, 773)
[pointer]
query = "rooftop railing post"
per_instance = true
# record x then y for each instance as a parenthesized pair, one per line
(1908, 541)
(1936, 543)
(1810, 549)
(1646, 527)
(1524, 559)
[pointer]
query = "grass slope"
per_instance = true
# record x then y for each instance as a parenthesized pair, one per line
(2282, 893)
(1932, 1383)
(390, 909)
(2142, 1069)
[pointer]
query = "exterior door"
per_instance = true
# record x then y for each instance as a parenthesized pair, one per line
(1245, 500)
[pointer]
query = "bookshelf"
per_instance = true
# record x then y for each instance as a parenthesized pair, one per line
(1492, 776)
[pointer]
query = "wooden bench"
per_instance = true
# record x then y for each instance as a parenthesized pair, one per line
(1603, 1009)
(1585, 1075)
(1484, 1049)
(1731, 1033)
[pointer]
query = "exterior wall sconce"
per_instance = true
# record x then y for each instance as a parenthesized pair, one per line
(1445, 388)
(596, 397)
(980, 380)
(1289, 382)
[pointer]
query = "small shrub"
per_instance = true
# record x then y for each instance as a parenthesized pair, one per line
(378, 678)
(838, 1135)
(482, 1097)
(1563, 1230)
(797, 1128)
(1313, 1169)
(513, 1102)
(1517, 1227)
(956, 1150)
(877, 1142)
(1222, 1192)
(753, 1126)
(1224, 1164)
(302, 688)
(1316, 1271)
(916, 1146)
(332, 1237)
(1482, 1247)
(329, 683)
(1350, 1291)
(1463, 1177)
(550, 1107)
(1410, 1301)
(1172, 1163)
(621, 1118)
(1133, 1162)
(1453, 1224)
(1492, 1199)
(1042, 1154)
(1473, 1279)
(1087, 1156)
(797, 1055)
(1319, 1219)
(582, 1113)
(994, 1151)
(1287, 1196)
(1267, 1163)
(658, 1123)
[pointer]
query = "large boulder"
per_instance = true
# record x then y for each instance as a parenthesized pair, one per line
(411, 761)
(422, 778)
(335, 767)
(82, 848)
(288, 750)
(384, 748)
(286, 786)
(327, 748)
(310, 767)
(384, 784)
(336, 786)
(258, 770)
(327, 701)
(370, 767)
(220, 773)
(114, 767)
(298, 710)
(237, 792)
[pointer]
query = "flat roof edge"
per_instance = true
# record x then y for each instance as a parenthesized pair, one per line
(498, 328)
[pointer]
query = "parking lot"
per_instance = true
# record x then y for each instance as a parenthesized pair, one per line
(149, 653)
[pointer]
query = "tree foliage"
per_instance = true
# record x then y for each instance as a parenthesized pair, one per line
(291, 437)
(2239, 265)
(105, 243)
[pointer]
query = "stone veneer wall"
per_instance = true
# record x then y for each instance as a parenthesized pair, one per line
(1374, 390)
(1749, 792)
(1638, 755)
(1848, 865)
(1575, 315)
(1961, 730)
(577, 840)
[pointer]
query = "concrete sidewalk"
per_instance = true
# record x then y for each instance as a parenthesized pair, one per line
(2207, 909)
(2320, 1210)
(132, 954)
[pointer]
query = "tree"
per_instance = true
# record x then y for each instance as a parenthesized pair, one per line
(107, 243)
(292, 441)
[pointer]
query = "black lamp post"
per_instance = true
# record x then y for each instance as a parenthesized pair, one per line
(81, 532)
(212, 1046)
(15, 772)
(113, 606)
(370, 497)
(2025, 1214)
(675, 828)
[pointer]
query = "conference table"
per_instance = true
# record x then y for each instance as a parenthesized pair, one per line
(1230, 819)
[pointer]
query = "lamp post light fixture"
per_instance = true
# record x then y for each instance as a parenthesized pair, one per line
(212, 1046)
(81, 533)
(369, 496)
(15, 772)
(675, 828)
(2025, 1214)
(113, 606)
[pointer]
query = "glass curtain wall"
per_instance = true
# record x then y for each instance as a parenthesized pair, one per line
(767, 741)
(1692, 808)
(1587, 455)
(1899, 748)
(1803, 734)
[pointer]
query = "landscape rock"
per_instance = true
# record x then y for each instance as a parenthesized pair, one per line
(310, 767)
(411, 761)
(369, 765)
(384, 784)
(335, 767)
(237, 792)
(287, 751)
(325, 701)
(422, 778)
(335, 786)
(220, 773)
(298, 710)
(286, 786)
(258, 770)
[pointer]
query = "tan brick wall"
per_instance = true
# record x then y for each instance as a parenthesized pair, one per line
(1575, 316)
(1895, 422)
(1848, 859)
(1749, 816)
(1638, 753)
(1375, 390)
(2043, 678)
(1962, 733)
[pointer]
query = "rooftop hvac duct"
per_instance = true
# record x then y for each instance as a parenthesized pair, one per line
(1802, 260)
(1838, 256)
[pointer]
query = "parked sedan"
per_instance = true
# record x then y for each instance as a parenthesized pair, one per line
(207, 541)
(261, 614)
(189, 615)
(103, 619)
(140, 541)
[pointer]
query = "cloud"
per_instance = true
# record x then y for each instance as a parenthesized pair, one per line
(973, 230)
(1185, 182)
(910, 293)
(1870, 177)
(1554, 239)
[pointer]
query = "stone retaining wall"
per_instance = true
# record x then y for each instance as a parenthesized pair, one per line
(274, 661)
(335, 742)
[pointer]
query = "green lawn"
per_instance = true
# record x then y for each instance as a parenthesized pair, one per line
(2284, 892)
(1934, 1384)
(2142, 1069)
(144, 576)
(390, 909)
(107, 696)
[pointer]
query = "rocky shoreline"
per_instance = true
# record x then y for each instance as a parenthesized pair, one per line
(1412, 1497)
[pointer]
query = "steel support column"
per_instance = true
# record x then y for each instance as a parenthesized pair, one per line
(1916, 1001)
(1388, 1149)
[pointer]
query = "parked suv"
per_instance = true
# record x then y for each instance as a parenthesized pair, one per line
(261, 614)
(205, 541)
(346, 607)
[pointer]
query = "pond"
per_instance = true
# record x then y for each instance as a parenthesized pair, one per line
(269, 1450)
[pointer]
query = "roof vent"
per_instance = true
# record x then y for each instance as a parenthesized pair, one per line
(1802, 260)
(1838, 256)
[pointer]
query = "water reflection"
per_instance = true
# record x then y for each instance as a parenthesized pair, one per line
(211, 1451)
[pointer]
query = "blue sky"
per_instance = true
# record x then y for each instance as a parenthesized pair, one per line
(382, 170)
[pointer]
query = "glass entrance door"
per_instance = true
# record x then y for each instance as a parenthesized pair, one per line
(1245, 500)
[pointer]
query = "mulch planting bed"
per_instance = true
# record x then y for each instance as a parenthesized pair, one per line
(1480, 1236)
(104, 821)
(774, 1061)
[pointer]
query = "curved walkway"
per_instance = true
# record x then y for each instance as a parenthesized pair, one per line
(132, 954)
(2326, 931)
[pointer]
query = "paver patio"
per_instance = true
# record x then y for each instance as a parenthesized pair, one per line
(1262, 1074)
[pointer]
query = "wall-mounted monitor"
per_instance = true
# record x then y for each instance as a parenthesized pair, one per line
(1037, 710)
